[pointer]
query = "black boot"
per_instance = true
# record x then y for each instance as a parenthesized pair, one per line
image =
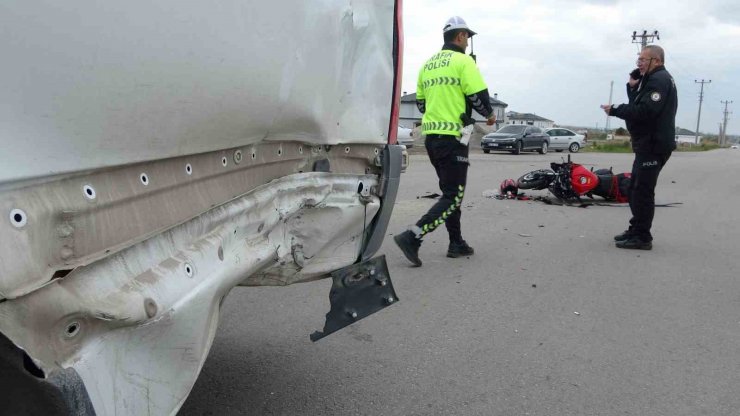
(459, 249)
(635, 243)
(409, 244)
(624, 236)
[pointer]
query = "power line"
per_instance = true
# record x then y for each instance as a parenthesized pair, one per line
(701, 99)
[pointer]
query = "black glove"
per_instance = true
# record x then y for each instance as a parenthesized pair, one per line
(635, 74)
(466, 119)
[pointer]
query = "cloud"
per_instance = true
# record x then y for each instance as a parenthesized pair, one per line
(557, 58)
(727, 12)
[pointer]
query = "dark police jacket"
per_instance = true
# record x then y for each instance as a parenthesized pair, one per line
(651, 113)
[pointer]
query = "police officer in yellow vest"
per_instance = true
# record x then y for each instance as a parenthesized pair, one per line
(449, 87)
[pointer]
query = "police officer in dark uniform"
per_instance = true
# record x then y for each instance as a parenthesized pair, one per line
(449, 87)
(650, 116)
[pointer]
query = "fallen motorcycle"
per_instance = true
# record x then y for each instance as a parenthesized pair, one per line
(570, 181)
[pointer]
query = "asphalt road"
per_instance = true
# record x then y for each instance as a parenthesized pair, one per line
(547, 318)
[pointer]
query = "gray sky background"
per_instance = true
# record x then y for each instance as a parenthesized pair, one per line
(556, 58)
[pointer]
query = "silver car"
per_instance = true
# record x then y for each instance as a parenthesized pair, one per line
(405, 136)
(562, 139)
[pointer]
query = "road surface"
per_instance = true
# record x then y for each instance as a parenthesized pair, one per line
(547, 318)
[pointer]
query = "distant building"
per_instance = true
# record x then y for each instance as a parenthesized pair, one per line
(409, 114)
(686, 136)
(530, 119)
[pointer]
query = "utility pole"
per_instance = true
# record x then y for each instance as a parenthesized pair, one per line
(701, 99)
(721, 133)
(723, 138)
(611, 91)
(645, 38)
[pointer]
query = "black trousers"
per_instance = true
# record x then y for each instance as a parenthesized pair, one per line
(645, 171)
(450, 160)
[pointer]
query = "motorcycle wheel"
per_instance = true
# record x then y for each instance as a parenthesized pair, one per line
(537, 179)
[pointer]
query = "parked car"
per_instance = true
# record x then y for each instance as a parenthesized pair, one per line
(562, 139)
(405, 136)
(516, 139)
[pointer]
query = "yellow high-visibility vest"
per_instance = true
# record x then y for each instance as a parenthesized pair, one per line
(444, 82)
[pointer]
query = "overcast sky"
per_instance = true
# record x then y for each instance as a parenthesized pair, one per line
(556, 58)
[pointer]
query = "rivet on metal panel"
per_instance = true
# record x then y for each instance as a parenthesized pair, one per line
(189, 270)
(144, 178)
(150, 307)
(280, 151)
(390, 299)
(238, 157)
(300, 149)
(189, 169)
(73, 328)
(66, 253)
(89, 192)
(18, 218)
(353, 314)
(346, 149)
(224, 161)
(254, 154)
(377, 152)
(65, 230)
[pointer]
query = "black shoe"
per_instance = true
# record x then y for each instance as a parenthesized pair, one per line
(635, 243)
(624, 236)
(459, 249)
(409, 244)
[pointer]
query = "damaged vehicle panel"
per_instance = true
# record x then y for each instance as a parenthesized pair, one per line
(155, 156)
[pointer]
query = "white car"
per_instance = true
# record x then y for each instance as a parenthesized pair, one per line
(562, 139)
(734, 146)
(405, 136)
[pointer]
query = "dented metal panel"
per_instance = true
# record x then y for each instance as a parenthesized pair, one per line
(88, 84)
(155, 156)
(76, 219)
(137, 325)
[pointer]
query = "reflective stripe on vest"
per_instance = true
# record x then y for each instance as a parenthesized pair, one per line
(444, 82)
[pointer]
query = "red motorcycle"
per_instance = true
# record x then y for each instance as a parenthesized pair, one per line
(570, 181)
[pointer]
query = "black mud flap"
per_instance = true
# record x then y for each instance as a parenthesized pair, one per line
(357, 291)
